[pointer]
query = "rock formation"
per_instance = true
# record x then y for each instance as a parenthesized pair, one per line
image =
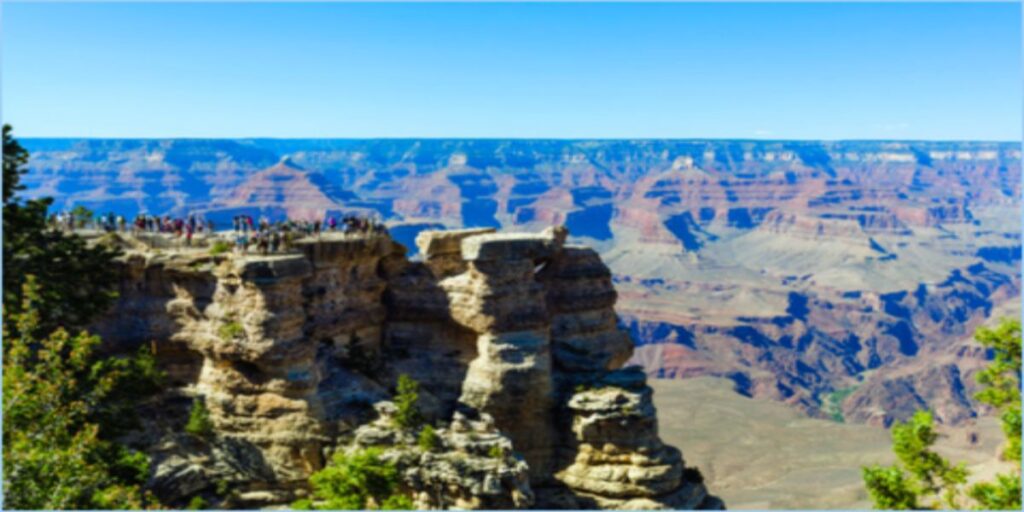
(513, 338)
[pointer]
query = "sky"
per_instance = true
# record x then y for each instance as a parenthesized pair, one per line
(321, 70)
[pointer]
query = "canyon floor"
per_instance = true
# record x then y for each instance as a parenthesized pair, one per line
(759, 454)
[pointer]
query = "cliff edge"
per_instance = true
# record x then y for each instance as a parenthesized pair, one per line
(513, 338)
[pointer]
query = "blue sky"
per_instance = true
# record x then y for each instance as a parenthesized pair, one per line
(776, 71)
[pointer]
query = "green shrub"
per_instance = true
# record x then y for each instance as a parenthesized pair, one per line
(199, 423)
(219, 247)
(231, 330)
(496, 452)
(1002, 494)
(832, 404)
(428, 439)
(407, 400)
(303, 504)
(397, 502)
(890, 488)
(924, 479)
(60, 400)
(197, 503)
(356, 481)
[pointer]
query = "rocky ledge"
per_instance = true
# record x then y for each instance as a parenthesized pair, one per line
(513, 338)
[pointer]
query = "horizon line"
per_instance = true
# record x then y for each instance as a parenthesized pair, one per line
(564, 139)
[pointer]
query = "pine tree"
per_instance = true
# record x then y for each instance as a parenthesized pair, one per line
(1001, 390)
(199, 423)
(63, 405)
(428, 440)
(78, 279)
(406, 401)
(1001, 380)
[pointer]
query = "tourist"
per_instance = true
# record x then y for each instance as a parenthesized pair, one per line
(262, 243)
(275, 241)
(242, 243)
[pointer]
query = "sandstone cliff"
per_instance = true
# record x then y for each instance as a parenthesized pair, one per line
(513, 338)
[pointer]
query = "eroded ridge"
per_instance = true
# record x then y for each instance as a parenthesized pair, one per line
(512, 336)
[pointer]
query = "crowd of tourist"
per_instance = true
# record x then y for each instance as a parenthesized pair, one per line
(181, 228)
(177, 226)
(271, 237)
(266, 236)
(69, 221)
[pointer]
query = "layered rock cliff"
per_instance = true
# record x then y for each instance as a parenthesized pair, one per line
(513, 338)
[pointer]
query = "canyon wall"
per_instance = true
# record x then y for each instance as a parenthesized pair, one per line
(830, 275)
(513, 339)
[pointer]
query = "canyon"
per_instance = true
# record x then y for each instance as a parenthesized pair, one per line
(842, 278)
